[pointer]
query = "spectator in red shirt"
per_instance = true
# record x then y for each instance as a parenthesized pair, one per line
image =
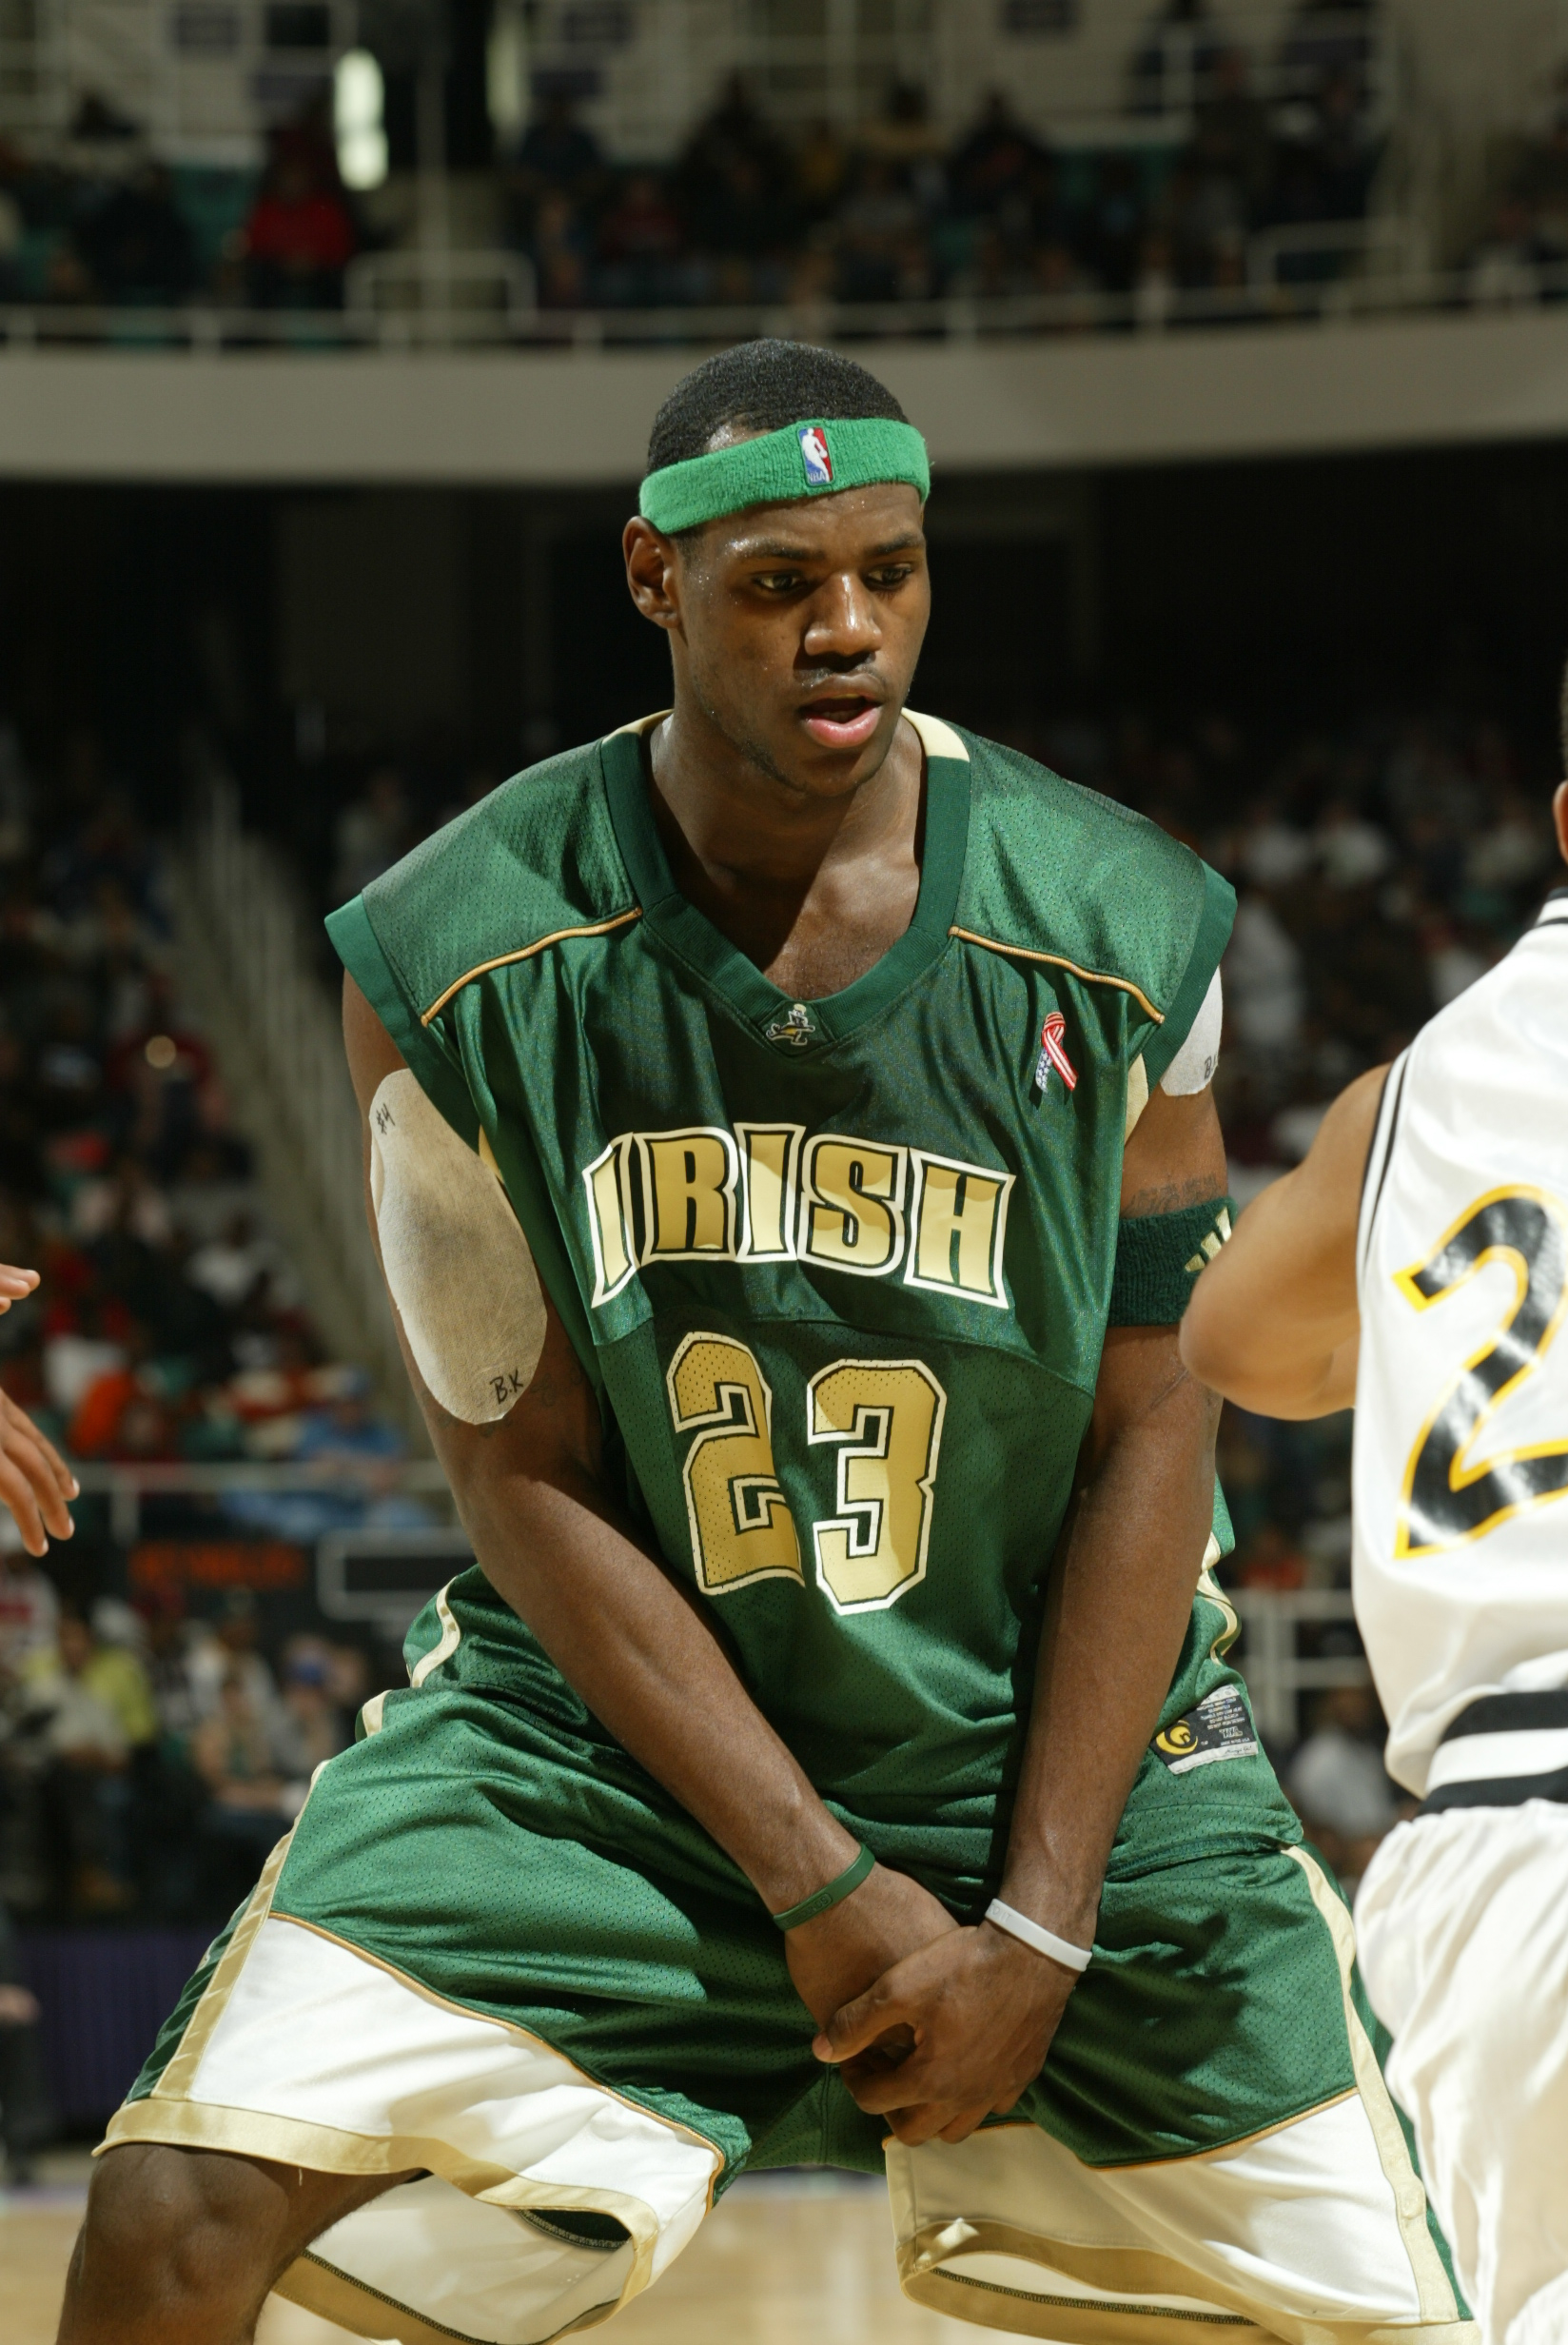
(298, 239)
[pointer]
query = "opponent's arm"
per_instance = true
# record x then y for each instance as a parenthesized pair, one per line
(36, 1481)
(641, 1652)
(1273, 1323)
(983, 2007)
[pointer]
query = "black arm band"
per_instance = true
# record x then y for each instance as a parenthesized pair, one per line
(1158, 1256)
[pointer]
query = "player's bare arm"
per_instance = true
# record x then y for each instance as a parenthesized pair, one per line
(982, 2006)
(1273, 1324)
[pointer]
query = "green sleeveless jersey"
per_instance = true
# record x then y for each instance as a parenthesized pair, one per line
(840, 1271)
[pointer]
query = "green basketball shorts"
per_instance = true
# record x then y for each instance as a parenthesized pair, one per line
(486, 1954)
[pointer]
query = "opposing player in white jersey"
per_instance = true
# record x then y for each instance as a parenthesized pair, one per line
(1416, 1263)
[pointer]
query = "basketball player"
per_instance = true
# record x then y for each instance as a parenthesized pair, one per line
(1417, 1264)
(789, 1145)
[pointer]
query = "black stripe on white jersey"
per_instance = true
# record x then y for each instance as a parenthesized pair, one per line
(1515, 1747)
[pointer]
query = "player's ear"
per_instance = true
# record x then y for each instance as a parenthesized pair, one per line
(653, 572)
(1560, 816)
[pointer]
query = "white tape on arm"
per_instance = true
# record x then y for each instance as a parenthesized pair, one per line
(1192, 1069)
(457, 1264)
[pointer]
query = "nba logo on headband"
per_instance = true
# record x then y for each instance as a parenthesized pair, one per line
(813, 455)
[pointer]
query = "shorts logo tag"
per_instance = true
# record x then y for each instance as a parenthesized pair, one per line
(815, 456)
(1052, 1054)
(1219, 1729)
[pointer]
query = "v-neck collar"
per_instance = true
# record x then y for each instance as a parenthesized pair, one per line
(795, 1028)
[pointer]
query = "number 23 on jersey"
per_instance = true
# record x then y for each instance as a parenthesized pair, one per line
(882, 1418)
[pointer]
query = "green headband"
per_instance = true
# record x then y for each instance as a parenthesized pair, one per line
(803, 459)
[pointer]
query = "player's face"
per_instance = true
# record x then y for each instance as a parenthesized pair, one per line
(797, 628)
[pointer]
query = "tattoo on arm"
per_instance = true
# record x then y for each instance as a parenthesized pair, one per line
(1168, 1197)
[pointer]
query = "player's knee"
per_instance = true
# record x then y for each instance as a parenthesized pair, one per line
(171, 2249)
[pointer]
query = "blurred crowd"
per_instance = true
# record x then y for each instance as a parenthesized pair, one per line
(110, 223)
(1523, 256)
(147, 1755)
(169, 1323)
(150, 1761)
(748, 213)
(899, 214)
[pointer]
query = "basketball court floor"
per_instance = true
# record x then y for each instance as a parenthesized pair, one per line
(784, 2260)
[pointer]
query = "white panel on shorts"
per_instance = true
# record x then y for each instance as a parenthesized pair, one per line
(1301, 2221)
(1462, 1921)
(477, 2270)
(313, 2034)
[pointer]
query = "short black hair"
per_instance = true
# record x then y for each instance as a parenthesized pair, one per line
(762, 387)
(1562, 719)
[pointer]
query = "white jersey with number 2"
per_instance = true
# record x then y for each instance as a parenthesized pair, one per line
(1462, 1591)
(1461, 1568)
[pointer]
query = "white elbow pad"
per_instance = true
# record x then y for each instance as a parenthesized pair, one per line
(1192, 1069)
(457, 1264)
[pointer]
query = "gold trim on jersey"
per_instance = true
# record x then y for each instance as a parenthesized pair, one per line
(1060, 960)
(526, 953)
(1210, 1590)
(936, 736)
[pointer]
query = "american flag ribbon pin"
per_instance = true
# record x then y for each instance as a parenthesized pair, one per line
(1053, 1053)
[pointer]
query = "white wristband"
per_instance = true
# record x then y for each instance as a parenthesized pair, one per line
(1043, 1942)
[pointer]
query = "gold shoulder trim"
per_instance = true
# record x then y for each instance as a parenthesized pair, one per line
(526, 953)
(937, 737)
(1060, 960)
(640, 725)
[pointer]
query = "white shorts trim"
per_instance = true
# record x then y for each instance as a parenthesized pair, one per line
(321, 2057)
(1315, 2229)
(1292, 2234)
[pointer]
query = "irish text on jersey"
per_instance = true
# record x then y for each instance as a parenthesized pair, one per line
(773, 1192)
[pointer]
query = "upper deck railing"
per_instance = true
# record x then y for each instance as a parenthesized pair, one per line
(1272, 295)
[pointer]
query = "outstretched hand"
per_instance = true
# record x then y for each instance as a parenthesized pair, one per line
(977, 2011)
(36, 1481)
(15, 1284)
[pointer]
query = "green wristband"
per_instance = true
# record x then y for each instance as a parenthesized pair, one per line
(1158, 1259)
(823, 1900)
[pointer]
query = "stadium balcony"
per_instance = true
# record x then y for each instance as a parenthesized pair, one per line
(1075, 233)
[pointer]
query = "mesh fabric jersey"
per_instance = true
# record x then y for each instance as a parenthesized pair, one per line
(839, 1272)
(838, 1269)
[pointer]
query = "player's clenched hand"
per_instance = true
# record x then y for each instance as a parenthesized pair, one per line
(978, 2010)
(840, 1954)
(36, 1481)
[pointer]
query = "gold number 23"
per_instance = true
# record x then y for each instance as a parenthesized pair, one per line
(884, 1419)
